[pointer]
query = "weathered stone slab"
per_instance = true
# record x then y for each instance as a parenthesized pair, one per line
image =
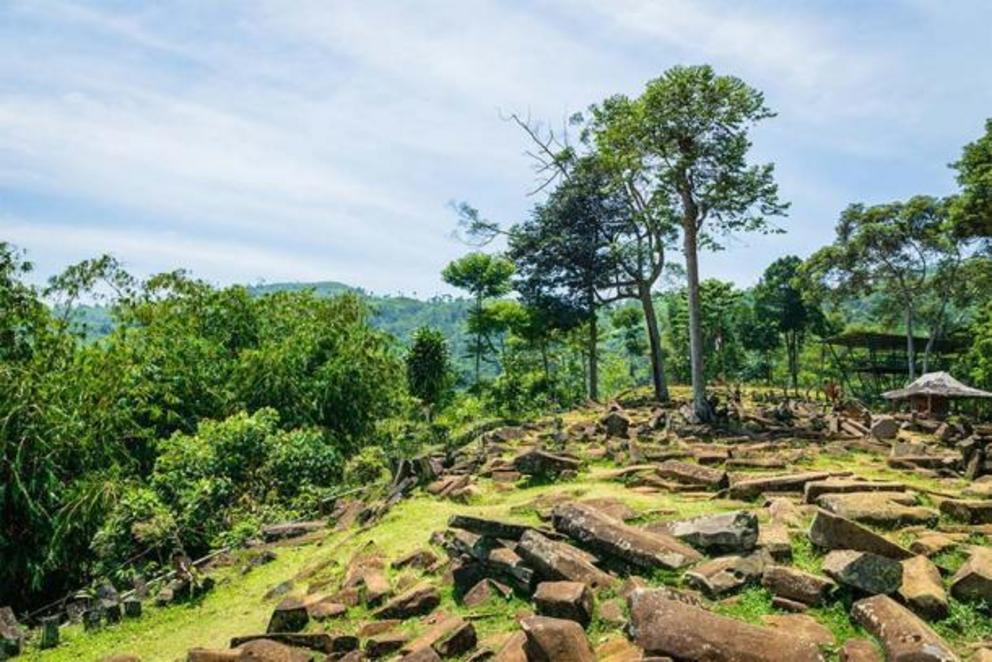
(621, 541)
(973, 580)
(797, 585)
(813, 490)
(542, 463)
(830, 531)
(725, 533)
(972, 512)
(489, 527)
(568, 600)
(555, 640)
(923, 589)
(750, 488)
(663, 626)
(554, 560)
(883, 509)
(724, 574)
(864, 571)
(418, 601)
(905, 636)
(449, 637)
(285, 530)
(692, 474)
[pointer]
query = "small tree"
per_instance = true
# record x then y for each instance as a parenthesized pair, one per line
(973, 207)
(428, 369)
(483, 276)
(628, 323)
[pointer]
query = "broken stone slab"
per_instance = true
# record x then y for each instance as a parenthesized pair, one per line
(420, 558)
(922, 588)
(512, 649)
(973, 580)
(724, 574)
(321, 642)
(793, 584)
(285, 530)
(626, 543)
(385, 643)
(615, 508)
(541, 463)
(484, 590)
(450, 637)
(800, 625)
(418, 601)
(558, 561)
(663, 626)
(692, 474)
(972, 512)
(555, 640)
(724, 533)
(830, 531)
(904, 635)
(750, 488)
(489, 527)
(290, 615)
(932, 543)
(569, 600)
(774, 538)
(257, 649)
(859, 650)
(864, 571)
(815, 489)
(883, 509)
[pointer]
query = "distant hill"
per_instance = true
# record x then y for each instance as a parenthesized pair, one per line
(398, 315)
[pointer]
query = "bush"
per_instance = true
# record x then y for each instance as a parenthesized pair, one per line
(301, 459)
(139, 523)
(369, 467)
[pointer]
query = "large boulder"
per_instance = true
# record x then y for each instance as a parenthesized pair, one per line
(569, 600)
(884, 427)
(664, 626)
(922, 588)
(830, 531)
(973, 580)
(726, 533)
(555, 560)
(864, 571)
(792, 584)
(633, 546)
(905, 637)
(555, 640)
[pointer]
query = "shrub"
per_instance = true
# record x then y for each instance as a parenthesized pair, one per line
(139, 523)
(369, 467)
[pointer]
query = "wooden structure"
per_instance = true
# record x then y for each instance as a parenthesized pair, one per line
(870, 362)
(931, 394)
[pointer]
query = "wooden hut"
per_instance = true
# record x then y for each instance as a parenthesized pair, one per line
(931, 394)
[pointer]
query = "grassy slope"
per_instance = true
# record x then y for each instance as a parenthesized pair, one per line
(237, 605)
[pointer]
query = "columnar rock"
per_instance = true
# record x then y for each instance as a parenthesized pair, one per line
(922, 588)
(973, 580)
(321, 642)
(663, 626)
(290, 615)
(626, 543)
(258, 649)
(750, 488)
(905, 636)
(793, 584)
(812, 491)
(864, 571)
(569, 600)
(555, 560)
(555, 640)
(726, 533)
(886, 509)
(830, 531)
(692, 474)
(541, 463)
(450, 637)
(884, 427)
(859, 650)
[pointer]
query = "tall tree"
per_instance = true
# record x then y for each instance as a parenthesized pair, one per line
(483, 276)
(973, 207)
(686, 141)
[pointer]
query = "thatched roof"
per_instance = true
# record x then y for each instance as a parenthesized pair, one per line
(939, 384)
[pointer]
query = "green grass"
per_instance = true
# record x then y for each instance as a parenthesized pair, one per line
(805, 556)
(966, 623)
(749, 605)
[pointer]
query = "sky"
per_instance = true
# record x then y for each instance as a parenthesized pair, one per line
(266, 141)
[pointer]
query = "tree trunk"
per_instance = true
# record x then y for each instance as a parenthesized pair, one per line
(654, 342)
(478, 340)
(700, 405)
(593, 358)
(910, 345)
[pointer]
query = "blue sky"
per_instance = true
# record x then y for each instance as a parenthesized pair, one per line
(271, 140)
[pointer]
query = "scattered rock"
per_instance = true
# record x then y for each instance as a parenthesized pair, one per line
(555, 640)
(568, 600)
(418, 601)
(285, 530)
(864, 571)
(384, 644)
(922, 588)
(692, 474)
(860, 650)
(450, 637)
(905, 636)
(626, 543)
(797, 585)
(884, 427)
(750, 488)
(814, 490)
(802, 626)
(971, 512)
(726, 573)
(726, 533)
(973, 580)
(663, 626)
(541, 463)
(830, 531)
(884, 509)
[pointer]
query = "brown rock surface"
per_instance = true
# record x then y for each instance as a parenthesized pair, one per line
(905, 636)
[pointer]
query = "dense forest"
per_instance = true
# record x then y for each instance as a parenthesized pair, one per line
(143, 416)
